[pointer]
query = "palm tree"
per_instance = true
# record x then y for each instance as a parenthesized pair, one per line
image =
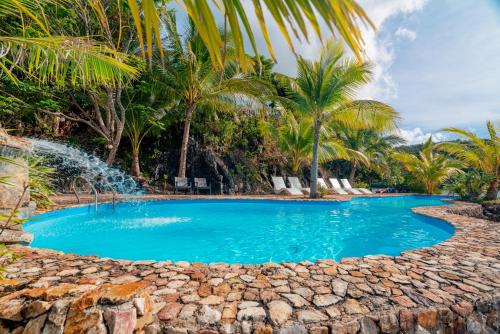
(429, 168)
(295, 139)
(49, 58)
(342, 17)
(481, 154)
(141, 121)
(324, 89)
(368, 147)
(190, 78)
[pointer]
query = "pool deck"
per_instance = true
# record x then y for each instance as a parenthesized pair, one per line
(452, 287)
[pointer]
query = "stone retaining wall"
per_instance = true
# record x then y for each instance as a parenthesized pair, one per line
(452, 287)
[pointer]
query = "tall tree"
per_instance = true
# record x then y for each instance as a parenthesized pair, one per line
(190, 77)
(429, 168)
(481, 154)
(325, 88)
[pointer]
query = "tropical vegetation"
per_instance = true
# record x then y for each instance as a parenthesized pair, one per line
(118, 79)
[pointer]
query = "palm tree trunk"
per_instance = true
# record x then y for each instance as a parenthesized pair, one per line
(314, 163)
(353, 172)
(492, 192)
(135, 169)
(185, 141)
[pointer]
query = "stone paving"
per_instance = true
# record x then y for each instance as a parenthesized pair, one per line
(452, 287)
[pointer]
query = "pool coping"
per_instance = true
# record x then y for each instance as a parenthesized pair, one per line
(453, 285)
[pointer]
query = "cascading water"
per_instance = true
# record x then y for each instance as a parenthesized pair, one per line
(71, 162)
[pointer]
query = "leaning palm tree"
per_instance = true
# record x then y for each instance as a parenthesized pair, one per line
(370, 148)
(193, 84)
(325, 90)
(429, 168)
(481, 154)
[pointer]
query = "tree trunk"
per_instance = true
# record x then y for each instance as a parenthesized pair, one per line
(185, 141)
(353, 172)
(492, 192)
(314, 163)
(135, 169)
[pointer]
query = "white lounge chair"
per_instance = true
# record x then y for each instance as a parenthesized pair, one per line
(280, 187)
(337, 188)
(348, 188)
(365, 191)
(295, 183)
(322, 184)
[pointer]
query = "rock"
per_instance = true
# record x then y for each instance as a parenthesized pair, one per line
(247, 304)
(120, 322)
(388, 323)
(464, 309)
(229, 311)
(263, 329)
(175, 284)
(211, 300)
(368, 326)
(142, 304)
(279, 311)
(427, 319)
(352, 306)
(254, 314)
(69, 272)
(34, 326)
(293, 329)
(325, 300)
(89, 270)
(296, 300)
(57, 316)
(309, 316)
(122, 293)
(36, 308)
(318, 330)
(403, 301)
(187, 311)
(333, 312)
(169, 311)
(266, 296)
(339, 287)
(208, 316)
(85, 321)
(215, 281)
(304, 292)
(11, 310)
(351, 327)
(406, 320)
(247, 278)
(59, 291)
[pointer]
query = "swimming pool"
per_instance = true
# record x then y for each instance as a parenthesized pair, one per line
(242, 231)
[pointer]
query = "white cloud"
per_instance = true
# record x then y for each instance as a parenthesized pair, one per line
(418, 136)
(406, 33)
(380, 51)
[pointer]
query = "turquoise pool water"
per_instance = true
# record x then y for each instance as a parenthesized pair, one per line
(242, 231)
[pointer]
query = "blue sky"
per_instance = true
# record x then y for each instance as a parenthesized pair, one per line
(436, 61)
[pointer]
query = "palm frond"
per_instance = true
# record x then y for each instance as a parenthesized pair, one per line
(78, 61)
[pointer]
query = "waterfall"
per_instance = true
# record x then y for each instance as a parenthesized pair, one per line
(71, 162)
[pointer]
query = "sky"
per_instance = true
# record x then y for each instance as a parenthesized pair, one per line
(437, 62)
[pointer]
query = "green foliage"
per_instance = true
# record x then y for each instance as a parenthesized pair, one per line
(431, 169)
(481, 154)
(40, 181)
(469, 186)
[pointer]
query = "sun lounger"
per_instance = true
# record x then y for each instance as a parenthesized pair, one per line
(365, 191)
(280, 187)
(337, 188)
(200, 183)
(182, 184)
(348, 188)
(295, 183)
(322, 184)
